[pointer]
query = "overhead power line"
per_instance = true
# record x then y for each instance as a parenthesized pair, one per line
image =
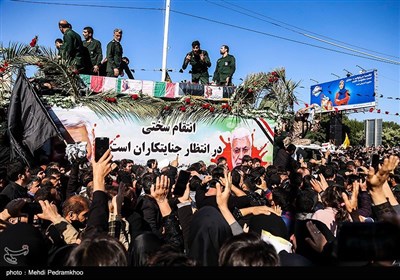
(88, 5)
(275, 20)
(284, 38)
(218, 22)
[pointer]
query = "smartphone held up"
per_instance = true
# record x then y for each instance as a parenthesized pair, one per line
(181, 182)
(101, 145)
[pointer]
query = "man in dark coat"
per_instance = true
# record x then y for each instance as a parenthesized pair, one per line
(114, 55)
(72, 48)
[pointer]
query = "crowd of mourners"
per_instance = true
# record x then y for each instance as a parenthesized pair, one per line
(317, 209)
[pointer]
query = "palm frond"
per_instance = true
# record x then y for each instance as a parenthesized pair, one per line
(265, 94)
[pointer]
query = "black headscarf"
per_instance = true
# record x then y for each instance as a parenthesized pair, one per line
(22, 244)
(271, 223)
(208, 230)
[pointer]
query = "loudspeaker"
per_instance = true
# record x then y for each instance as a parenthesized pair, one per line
(336, 129)
(336, 134)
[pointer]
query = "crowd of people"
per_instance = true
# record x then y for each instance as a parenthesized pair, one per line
(87, 57)
(306, 208)
(321, 209)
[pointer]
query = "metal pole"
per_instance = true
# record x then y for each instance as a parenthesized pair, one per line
(165, 44)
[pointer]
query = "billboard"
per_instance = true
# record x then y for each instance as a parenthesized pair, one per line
(352, 92)
(141, 140)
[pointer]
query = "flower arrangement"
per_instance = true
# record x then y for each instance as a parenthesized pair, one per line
(265, 94)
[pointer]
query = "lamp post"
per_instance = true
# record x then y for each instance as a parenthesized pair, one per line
(348, 73)
(362, 69)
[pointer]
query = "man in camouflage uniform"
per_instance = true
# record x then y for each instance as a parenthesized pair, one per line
(200, 62)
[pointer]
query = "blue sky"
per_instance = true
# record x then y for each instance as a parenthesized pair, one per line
(262, 35)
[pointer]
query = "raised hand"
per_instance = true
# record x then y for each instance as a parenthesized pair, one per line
(223, 195)
(376, 180)
(159, 190)
(317, 240)
(351, 204)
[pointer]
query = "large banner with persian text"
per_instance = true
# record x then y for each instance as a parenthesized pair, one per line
(142, 140)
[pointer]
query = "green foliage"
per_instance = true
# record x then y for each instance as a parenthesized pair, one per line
(321, 132)
(390, 134)
(272, 92)
(356, 129)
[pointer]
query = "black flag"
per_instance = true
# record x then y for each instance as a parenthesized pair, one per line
(29, 124)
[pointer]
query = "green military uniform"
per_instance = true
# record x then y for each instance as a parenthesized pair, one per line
(225, 68)
(199, 67)
(114, 57)
(72, 49)
(95, 52)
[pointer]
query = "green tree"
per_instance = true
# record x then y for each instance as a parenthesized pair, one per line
(356, 131)
(390, 134)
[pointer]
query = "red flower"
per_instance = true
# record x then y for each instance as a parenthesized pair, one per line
(371, 109)
(134, 96)
(226, 107)
(33, 42)
(111, 99)
(212, 109)
(250, 90)
(117, 136)
(378, 111)
(167, 107)
(182, 109)
(2, 70)
(206, 105)
(187, 100)
(5, 64)
(270, 80)
(274, 74)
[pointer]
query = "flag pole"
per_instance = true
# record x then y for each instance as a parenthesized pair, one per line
(165, 44)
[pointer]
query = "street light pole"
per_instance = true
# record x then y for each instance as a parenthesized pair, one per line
(165, 44)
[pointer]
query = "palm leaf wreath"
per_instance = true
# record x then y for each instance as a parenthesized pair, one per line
(268, 95)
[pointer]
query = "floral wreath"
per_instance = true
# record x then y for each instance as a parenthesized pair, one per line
(267, 95)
